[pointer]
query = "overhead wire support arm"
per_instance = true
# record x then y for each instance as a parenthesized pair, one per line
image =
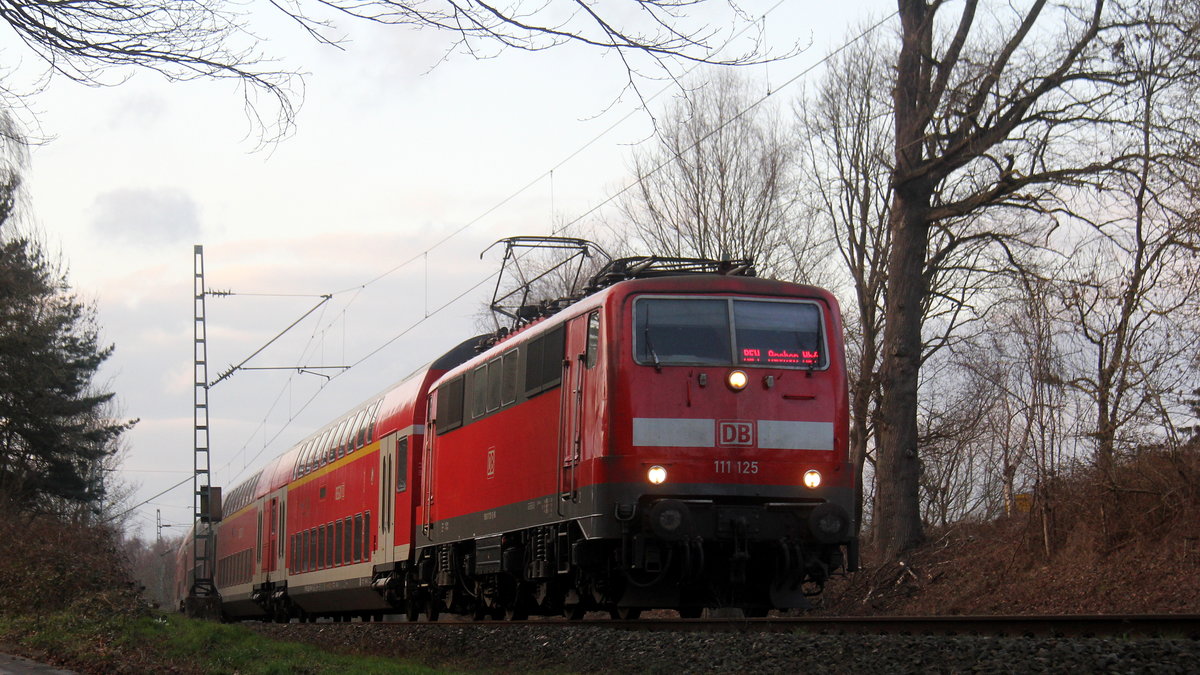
(233, 369)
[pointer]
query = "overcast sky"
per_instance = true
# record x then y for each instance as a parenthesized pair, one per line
(392, 152)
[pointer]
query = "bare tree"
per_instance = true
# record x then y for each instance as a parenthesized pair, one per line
(87, 40)
(953, 432)
(717, 182)
(844, 170)
(1132, 288)
(980, 108)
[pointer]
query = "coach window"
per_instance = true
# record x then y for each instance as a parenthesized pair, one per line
(372, 420)
(359, 435)
(402, 465)
(320, 546)
(338, 537)
(338, 440)
(329, 545)
(318, 449)
(593, 339)
(367, 547)
(314, 562)
(508, 385)
(299, 459)
(352, 432)
(258, 539)
(347, 551)
(306, 457)
(357, 537)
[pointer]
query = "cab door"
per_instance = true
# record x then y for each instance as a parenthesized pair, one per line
(580, 379)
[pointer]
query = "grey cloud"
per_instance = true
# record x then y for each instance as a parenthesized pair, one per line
(146, 216)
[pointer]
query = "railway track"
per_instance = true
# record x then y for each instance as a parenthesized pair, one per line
(1134, 625)
(987, 644)
(1071, 625)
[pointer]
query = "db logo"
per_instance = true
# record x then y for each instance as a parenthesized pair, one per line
(735, 432)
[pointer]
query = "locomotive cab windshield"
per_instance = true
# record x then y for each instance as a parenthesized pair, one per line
(728, 332)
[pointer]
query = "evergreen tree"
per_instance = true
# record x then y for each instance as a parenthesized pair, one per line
(54, 429)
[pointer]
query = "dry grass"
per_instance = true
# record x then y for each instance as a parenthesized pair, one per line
(1091, 546)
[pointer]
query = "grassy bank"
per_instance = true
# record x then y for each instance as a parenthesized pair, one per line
(122, 643)
(67, 598)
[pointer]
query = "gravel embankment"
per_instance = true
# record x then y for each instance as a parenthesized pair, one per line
(595, 649)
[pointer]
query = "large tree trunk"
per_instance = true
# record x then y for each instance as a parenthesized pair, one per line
(897, 502)
(897, 507)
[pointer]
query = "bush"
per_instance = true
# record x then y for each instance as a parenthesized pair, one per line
(48, 565)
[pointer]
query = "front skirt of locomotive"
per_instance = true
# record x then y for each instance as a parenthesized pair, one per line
(772, 551)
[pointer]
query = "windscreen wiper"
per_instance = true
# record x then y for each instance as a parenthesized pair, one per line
(650, 346)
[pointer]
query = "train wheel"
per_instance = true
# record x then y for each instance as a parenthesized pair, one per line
(412, 612)
(625, 613)
(433, 608)
(518, 612)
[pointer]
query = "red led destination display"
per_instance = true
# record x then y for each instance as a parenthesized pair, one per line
(803, 357)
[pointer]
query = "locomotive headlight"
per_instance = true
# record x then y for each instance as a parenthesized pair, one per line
(657, 475)
(812, 479)
(737, 380)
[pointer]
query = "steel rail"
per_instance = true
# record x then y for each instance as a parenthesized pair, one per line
(1069, 625)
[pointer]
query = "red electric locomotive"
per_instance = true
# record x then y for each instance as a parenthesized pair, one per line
(677, 438)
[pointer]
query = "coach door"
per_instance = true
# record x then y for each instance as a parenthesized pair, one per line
(578, 374)
(272, 525)
(387, 499)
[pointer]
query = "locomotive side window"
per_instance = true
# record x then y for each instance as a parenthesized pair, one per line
(543, 361)
(450, 406)
(593, 340)
(508, 385)
(493, 384)
(691, 331)
(479, 391)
